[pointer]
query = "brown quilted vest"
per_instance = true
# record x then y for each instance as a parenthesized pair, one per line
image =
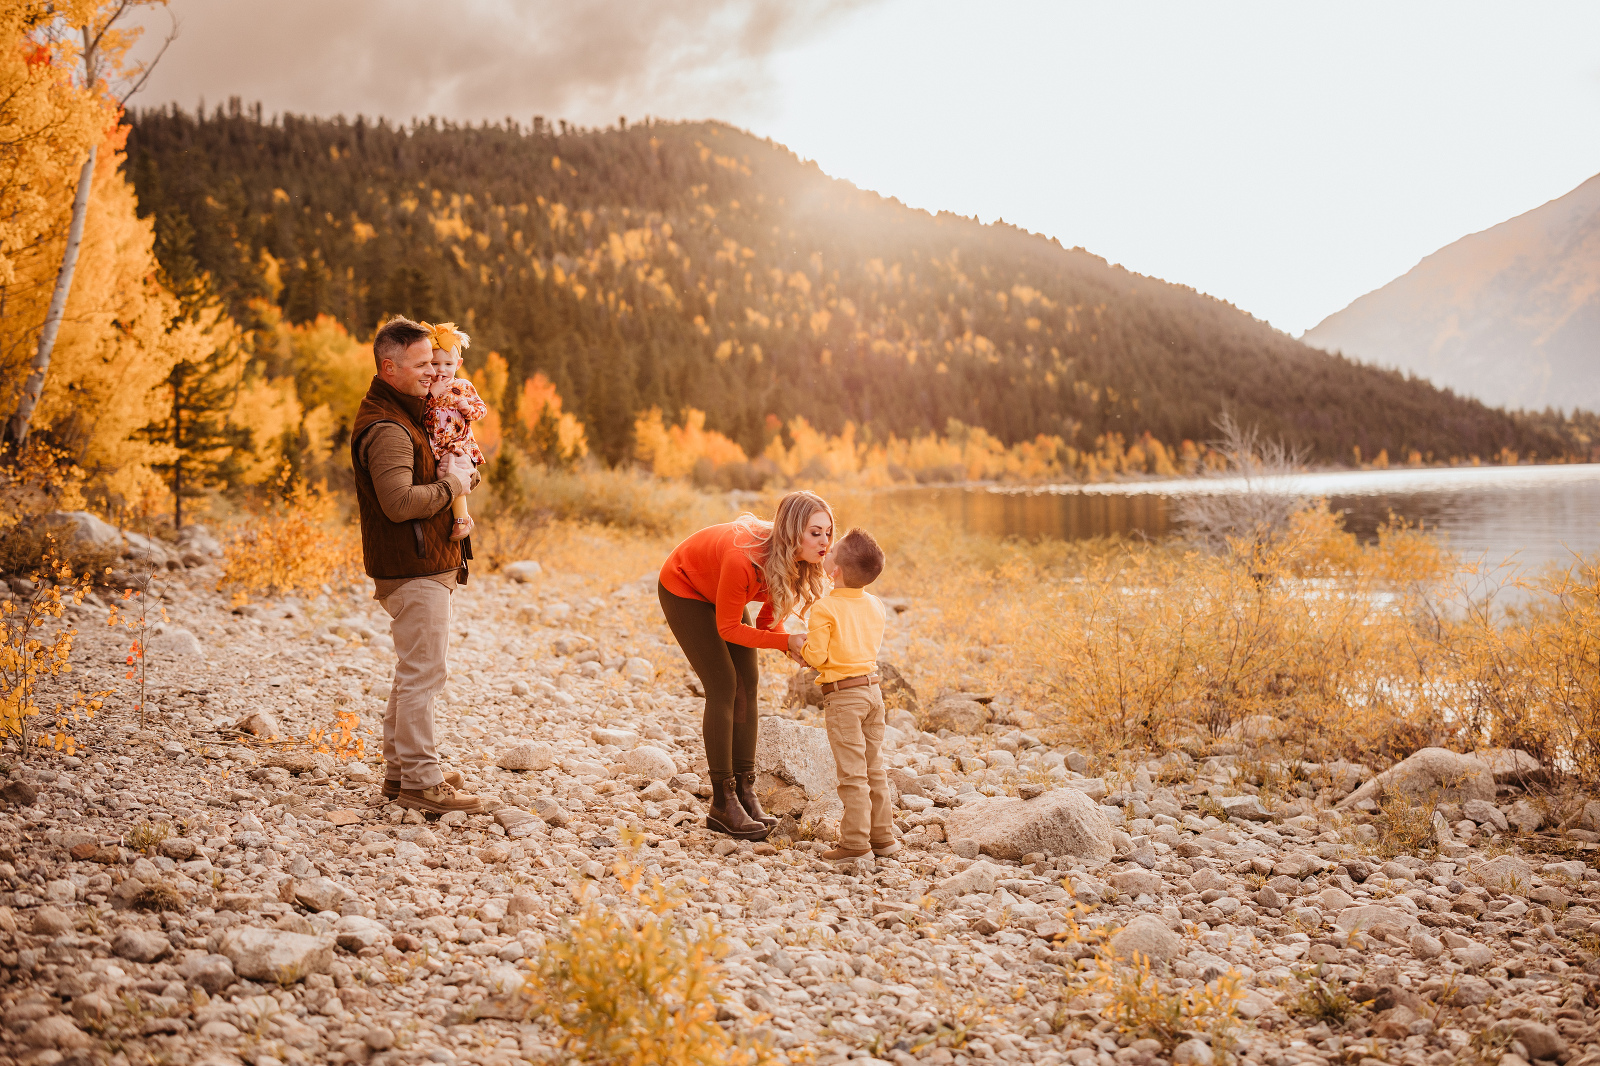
(389, 549)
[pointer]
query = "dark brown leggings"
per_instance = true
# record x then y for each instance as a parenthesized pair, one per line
(731, 676)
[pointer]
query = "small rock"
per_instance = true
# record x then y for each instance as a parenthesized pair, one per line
(275, 955)
(302, 762)
(1425, 947)
(618, 738)
(1147, 935)
(980, 877)
(259, 724)
(141, 945)
(1138, 883)
(19, 793)
(61, 891)
(1542, 1041)
(214, 973)
(48, 921)
(537, 755)
(651, 762)
(1526, 817)
(354, 932)
(522, 571)
(1244, 809)
(178, 849)
(318, 894)
(965, 848)
(639, 671)
(1502, 873)
(957, 714)
(57, 1032)
(1473, 956)
(1484, 813)
(1192, 1052)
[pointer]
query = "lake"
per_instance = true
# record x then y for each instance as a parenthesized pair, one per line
(1531, 515)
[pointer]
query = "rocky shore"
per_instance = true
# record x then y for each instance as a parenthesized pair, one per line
(205, 886)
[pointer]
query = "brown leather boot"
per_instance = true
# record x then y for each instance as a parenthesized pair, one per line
(745, 787)
(727, 814)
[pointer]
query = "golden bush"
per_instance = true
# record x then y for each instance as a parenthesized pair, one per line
(35, 650)
(295, 543)
(637, 991)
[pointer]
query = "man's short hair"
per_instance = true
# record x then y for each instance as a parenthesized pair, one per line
(859, 557)
(394, 337)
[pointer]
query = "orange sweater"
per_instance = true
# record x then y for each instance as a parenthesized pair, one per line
(709, 567)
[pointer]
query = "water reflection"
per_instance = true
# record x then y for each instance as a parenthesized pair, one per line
(1530, 515)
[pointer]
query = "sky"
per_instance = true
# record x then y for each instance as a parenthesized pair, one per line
(1286, 158)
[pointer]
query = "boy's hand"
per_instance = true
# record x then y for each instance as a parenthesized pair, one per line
(796, 642)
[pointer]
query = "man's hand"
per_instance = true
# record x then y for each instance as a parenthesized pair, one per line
(459, 465)
(797, 641)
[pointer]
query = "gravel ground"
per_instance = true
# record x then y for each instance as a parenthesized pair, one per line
(184, 892)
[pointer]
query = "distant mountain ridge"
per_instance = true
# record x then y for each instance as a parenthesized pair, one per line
(1510, 315)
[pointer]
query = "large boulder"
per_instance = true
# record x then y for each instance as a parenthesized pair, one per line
(1432, 775)
(1063, 821)
(798, 754)
(275, 955)
(80, 531)
(1512, 766)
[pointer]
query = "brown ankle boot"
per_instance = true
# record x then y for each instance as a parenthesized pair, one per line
(727, 814)
(745, 788)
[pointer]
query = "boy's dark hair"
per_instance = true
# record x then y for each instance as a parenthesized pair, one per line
(859, 557)
(394, 337)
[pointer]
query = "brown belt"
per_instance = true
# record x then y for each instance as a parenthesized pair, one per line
(850, 682)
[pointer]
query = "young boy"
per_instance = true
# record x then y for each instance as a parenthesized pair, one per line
(845, 632)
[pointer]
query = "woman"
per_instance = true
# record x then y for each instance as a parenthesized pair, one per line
(705, 586)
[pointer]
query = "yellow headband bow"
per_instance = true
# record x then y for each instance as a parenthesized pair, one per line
(446, 337)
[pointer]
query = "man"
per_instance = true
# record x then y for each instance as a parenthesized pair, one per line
(404, 498)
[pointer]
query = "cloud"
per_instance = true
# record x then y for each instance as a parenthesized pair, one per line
(468, 60)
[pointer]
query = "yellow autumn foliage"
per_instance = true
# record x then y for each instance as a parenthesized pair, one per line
(47, 125)
(673, 451)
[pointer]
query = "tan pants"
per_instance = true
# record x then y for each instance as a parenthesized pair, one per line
(855, 718)
(421, 631)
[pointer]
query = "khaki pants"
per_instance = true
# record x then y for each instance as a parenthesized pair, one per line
(421, 631)
(855, 718)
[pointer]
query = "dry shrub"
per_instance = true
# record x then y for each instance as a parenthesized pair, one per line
(1532, 677)
(636, 990)
(35, 652)
(527, 494)
(295, 542)
(1140, 1007)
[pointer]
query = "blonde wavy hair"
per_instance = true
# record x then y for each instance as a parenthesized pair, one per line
(792, 585)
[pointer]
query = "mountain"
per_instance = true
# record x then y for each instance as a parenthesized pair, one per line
(695, 265)
(1510, 315)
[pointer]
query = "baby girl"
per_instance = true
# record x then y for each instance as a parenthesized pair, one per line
(452, 406)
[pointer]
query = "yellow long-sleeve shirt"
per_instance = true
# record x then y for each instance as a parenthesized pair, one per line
(845, 632)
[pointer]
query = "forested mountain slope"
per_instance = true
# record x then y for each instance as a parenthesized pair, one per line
(694, 265)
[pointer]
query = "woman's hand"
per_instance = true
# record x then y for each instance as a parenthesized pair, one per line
(797, 641)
